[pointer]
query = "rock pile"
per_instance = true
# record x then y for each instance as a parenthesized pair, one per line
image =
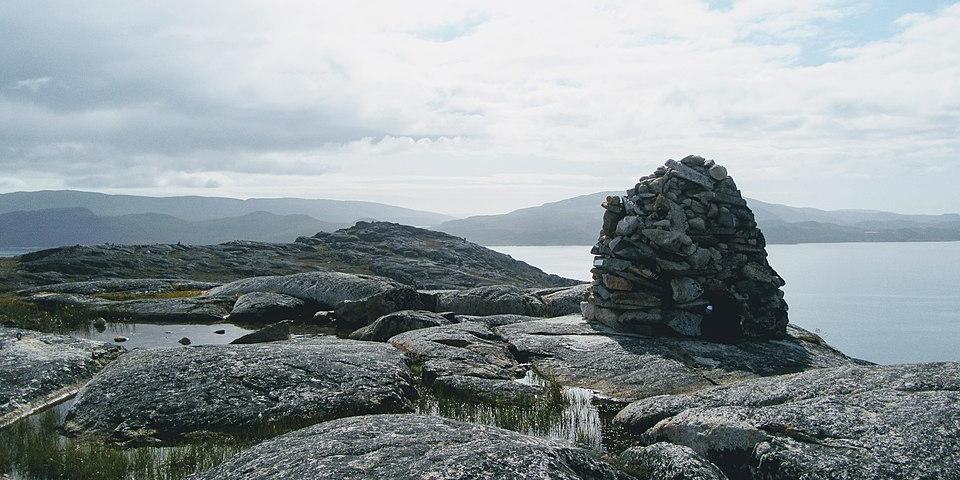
(681, 253)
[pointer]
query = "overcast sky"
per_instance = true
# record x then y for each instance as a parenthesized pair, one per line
(482, 107)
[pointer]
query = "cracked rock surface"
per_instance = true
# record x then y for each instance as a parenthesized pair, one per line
(38, 367)
(627, 367)
(161, 396)
(411, 447)
(851, 422)
(668, 461)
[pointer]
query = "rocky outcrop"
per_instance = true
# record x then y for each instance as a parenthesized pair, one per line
(37, 369)
(558, 302)
(167, 395)
(357, 299)
(162, 310)
(667, 461)
(414, 257)
(411, 447)
(681, 253)
(427, 259)
(850, 422)
(491, 300)
(387, 326)
(268, 307)
(628, 367)
(271, 333)
(123, 285)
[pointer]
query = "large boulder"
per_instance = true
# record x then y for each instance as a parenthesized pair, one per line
(849, 422)
(558, 302)
(627, 367)
(167, 395)
(161, 310)
(411, 447)
(668, 461)
(37, 369)
(466, 348)
(267, 307)
(491, 300)
(398, 322)
(357, 299)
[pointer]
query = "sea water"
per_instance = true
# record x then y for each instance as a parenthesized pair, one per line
(882, 302)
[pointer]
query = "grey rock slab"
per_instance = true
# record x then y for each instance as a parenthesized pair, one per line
(850, 422)
(627, 367)
(167, 395)
(411, 447)
(565, 301)
(667, 461)
(392, 324)
(119, 285)
(491, 300)
(37, 369)
(489, 391)
(271, 333)
(267, 307)
(187, 309)
(467, 348)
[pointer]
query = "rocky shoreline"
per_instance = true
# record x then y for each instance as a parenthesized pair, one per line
(478, 372)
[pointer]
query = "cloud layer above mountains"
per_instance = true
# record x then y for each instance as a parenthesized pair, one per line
(480, 107)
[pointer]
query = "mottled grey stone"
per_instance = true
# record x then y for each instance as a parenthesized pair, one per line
(628, 367)
(487, 390)
(37, 369)
(411, 447)
(563, 301)
(271, 333)
(467, 348)
(667, 461)
(491, 300)
(398, 322)
(122, 285)
(267, 307)
(167, 395)
(849, 422)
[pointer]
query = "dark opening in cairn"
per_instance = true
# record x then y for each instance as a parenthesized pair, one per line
(680, 253)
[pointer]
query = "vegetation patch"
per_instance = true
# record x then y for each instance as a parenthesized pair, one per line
(18, 312)
(121, 296)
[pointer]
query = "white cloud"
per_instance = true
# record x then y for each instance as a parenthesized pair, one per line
(437, 104)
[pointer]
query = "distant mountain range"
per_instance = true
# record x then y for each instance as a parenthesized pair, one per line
(210, 208)
(576, 221)
(80, 226)
(55, 218)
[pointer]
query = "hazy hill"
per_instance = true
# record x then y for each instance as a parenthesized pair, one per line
(208, 208)
(576, 221)
(72, 226)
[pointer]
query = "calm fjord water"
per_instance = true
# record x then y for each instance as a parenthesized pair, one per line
(882, 302)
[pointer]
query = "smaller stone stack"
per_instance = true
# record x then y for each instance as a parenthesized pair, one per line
(680, 253)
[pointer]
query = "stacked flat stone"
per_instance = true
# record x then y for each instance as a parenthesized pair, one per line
(681, 253)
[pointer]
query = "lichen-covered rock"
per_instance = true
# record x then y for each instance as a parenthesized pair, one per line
(387, 326)
(411, 447)
(850, 422)
(166, 395)
(271, 333)
(357, 299)
(563, 301)
(491, 300)
(467, 348)
(267, 307)
(667, 461)
(628, 367)
(488, 390)
(122, 285)
(681, 253)
(39, 368)
(161, 310)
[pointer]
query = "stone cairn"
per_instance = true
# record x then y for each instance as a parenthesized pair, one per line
(680, 253)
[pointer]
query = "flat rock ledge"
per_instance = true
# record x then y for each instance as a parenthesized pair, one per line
(38, 369)
(162, 310)
(122, 285)
(850, 422)
(411, 447)
(167, 395)
(627, 367)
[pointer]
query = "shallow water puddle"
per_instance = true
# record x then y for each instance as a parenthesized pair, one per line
(154, 335)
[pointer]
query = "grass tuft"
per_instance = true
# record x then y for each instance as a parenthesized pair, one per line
(23, 313)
